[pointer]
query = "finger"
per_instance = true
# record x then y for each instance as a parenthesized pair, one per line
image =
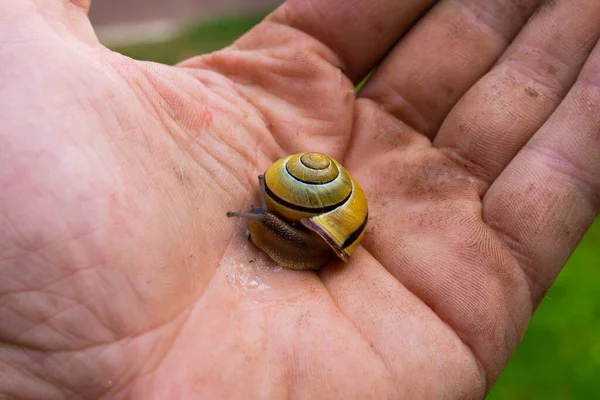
(82, 4)
(497, 117)
(66, 18)
(547, 197)
(447, 51)
(63, 7)
(425, 228)
(359, 32)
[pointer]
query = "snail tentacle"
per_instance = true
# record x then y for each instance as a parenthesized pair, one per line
(243, 215)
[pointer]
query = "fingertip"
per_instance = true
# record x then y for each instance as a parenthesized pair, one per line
(83, 4)
(69, 15)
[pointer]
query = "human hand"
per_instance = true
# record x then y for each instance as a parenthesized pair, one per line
(122, 277)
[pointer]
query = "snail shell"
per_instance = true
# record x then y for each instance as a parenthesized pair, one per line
(311, 208)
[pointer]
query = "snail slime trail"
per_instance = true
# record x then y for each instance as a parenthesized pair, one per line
(311, 209)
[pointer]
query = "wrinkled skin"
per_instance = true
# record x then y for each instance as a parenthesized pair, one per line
(476, 140)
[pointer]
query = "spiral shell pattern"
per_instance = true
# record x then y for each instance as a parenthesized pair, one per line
(316, 191)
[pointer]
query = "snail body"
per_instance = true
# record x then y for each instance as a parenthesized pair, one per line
(311, 208)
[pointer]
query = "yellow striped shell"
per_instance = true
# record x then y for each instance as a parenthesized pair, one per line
(311, 208)
(317, 191)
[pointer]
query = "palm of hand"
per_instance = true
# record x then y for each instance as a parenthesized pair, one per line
(132, 278)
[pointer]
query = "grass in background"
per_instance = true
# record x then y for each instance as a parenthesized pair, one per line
(559, 357)
(196, 38)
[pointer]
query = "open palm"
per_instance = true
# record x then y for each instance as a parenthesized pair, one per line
(476, 142)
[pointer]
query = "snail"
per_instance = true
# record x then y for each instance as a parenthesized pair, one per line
(311, 208)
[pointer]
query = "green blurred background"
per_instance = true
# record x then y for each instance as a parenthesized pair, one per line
(559, 357)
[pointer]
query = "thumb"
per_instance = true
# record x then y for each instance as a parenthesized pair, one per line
(83, 4)
(31, 19)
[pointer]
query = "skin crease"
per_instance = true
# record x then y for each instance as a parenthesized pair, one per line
(476, 142)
